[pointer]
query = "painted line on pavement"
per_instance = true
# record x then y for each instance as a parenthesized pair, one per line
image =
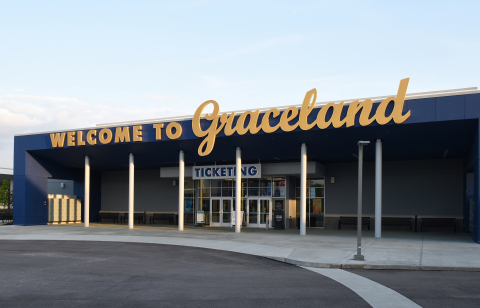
(375, 294)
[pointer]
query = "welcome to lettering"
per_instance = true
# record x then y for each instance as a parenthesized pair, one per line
(225, 122)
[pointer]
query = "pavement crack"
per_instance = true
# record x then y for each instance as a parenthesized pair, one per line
(288, 253)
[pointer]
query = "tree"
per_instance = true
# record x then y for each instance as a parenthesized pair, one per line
(6, 197)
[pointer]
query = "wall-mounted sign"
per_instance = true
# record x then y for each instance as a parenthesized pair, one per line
(250, 122)
(200, 217)
(226, 172)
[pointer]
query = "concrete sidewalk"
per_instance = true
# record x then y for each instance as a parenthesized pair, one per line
(319, 248)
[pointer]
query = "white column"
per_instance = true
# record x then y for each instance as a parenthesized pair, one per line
(303, 191)
(378, 188)
(86, 206)
(238, 192)
(131, 170)
(181, 195)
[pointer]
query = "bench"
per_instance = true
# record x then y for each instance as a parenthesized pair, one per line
(438, 222)
(139, 216)
(156, 216)
(6, 216)
(105, 215)
(397, 222)
(344, 220)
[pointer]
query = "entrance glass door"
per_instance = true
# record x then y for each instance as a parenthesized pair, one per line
(259, 211)
(221, 209)
(252, 213)
(226, 212)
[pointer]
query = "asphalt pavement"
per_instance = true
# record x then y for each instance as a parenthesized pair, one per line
(115, 274)
(430, 288)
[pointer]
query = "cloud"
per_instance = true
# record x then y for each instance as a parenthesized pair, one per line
(51, 99)
(20, 114)
(257, 47)
(19, 90)
(161, 99)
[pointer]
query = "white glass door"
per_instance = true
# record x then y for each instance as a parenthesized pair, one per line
(259, 211)
(252, 213)
(226, 212)
(221, 209)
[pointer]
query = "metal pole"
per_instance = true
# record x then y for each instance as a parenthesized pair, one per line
(303, 190)
(359, 256)
(238, 191)
(86, 208)
(378, 188)
(181, 195)
(131, 170)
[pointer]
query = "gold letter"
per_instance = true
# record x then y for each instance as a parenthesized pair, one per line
(398, 103)
(197, 129)
(178, 130)
(306, 109)
(228, 122)
(212, 130)
(266, 120)
(57, 139)
(334, 119)
(354, 108)
(137, 133)
(71, 139)
(108, 138)
(158, 131)
(80, 140)
(90, 138)
(122, 135)
(285, 118)
(252, 125)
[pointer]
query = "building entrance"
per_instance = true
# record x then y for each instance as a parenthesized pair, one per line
(221, 212)
(259, 211)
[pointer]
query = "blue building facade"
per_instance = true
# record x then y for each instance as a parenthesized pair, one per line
(440, 127)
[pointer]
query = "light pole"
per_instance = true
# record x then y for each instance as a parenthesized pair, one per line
(359, 256)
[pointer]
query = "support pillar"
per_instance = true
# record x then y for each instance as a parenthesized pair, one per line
(181, 194)
(86, 206)
(303, 190)
(131, 170)
(378, 188)
(238, 191)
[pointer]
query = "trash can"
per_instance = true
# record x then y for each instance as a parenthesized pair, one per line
(278, 220)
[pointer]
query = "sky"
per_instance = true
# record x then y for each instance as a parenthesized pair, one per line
(75, 64)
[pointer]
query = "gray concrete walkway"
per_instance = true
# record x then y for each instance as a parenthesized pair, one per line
(319, 248)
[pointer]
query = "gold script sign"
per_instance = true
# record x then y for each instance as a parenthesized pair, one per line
(225, 122)
(219, 122)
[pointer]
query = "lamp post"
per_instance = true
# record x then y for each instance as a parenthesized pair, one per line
(359, 256)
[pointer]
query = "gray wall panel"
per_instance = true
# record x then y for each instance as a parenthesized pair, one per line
(54, 187)
(427, 187)
(152, 194)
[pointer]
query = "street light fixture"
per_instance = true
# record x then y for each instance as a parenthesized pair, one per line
(358, 256)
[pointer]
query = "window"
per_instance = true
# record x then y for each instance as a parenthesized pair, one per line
(189, 206)
(315, 201)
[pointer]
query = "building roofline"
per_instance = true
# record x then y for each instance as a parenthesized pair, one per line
(419, 95)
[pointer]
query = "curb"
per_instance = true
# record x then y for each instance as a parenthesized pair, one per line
(374, 266)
